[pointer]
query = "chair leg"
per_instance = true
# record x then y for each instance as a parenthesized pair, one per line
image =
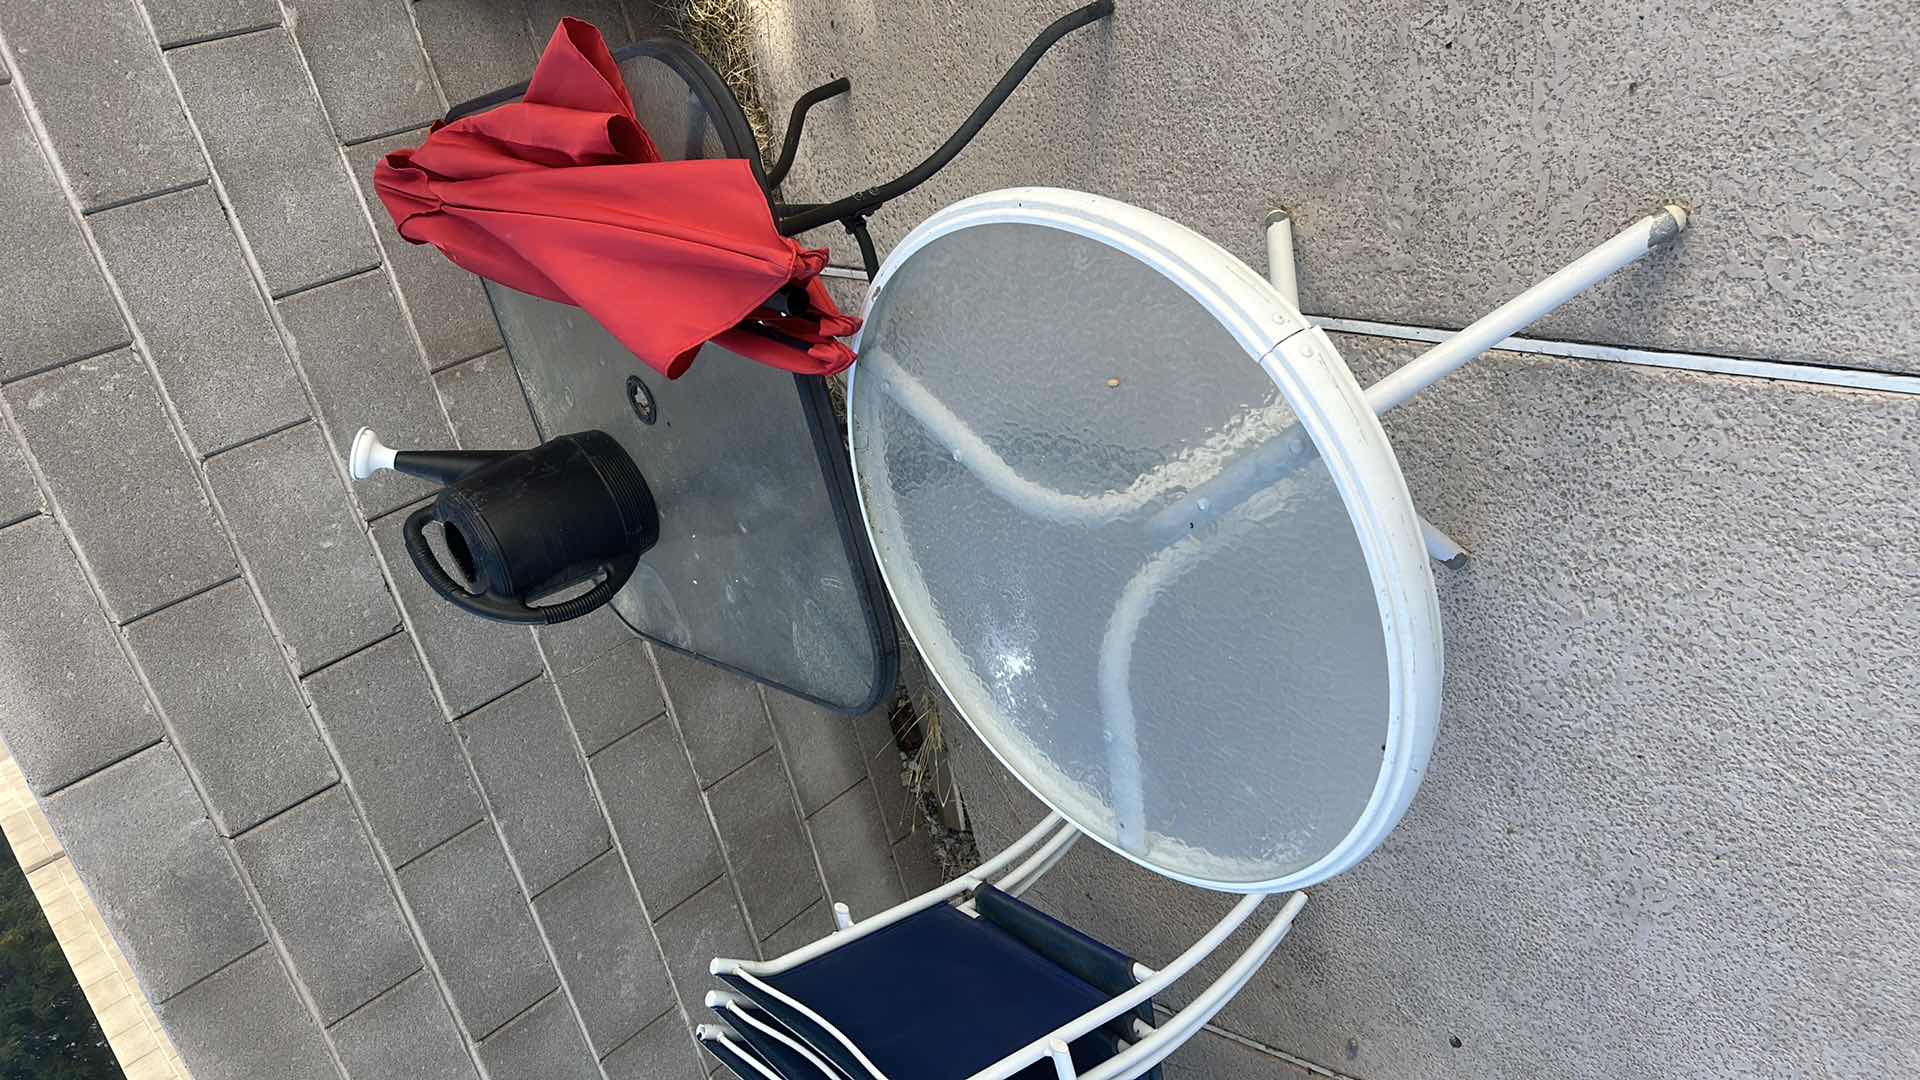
(857, 227)
(1280, 264)
(795, 123)
(867, 201)
(1062, 1060)
(1444, 549)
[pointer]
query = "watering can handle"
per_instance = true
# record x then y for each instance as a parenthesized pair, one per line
(496, 608)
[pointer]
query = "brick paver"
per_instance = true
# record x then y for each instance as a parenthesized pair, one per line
(613, 694)
(707, 925)
(103, 439)
(535, 783)
(337, 827)
(309, 555)
(406, 1031)
(822, 749)
(328, 901)
(472, 660)
(854, 853)
(276, 1040)
(658, 814)
(231, 707)
(765, 844)
(221, 363)
(718, 714)
(352, 341)
(276, 156)
(476, 48)
(70, 703)
(179, 22)
(19, 495)
(116, 138)
(660, 1052)
(607, 957)
(139, 836)
(63, 309)
(370, 72)
(479, 930)
(543, 1043)
(810, 925)
(395, 748)
(485, 404)
(570, 646)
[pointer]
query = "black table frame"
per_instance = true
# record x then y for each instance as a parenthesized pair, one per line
(816, 404)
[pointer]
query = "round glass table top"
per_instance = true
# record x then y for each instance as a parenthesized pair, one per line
(1148, 536)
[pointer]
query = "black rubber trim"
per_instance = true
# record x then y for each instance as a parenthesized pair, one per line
(831, 450)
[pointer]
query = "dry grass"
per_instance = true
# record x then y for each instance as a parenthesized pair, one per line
(918, 732)
(920, 743)
(722, 32)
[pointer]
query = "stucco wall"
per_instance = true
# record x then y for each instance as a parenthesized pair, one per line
(1669, 825)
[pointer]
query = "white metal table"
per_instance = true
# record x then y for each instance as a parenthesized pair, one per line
(1152, 541)
(1149, 534)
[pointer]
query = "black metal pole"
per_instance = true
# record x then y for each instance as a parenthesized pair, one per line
(791, 143)
(866, 201)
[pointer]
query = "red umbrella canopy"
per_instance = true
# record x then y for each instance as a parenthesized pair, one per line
(562, 195)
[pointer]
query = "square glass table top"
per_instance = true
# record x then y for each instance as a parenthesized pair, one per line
(761, 567)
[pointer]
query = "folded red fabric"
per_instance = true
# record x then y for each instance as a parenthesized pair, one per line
(563, 195)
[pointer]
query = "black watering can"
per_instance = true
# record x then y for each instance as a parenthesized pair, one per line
(522, 524)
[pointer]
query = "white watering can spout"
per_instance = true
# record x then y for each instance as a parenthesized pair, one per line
(369, 455)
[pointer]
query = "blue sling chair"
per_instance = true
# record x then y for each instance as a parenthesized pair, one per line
(968, 981)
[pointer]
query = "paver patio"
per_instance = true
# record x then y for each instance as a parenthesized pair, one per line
(336, 826)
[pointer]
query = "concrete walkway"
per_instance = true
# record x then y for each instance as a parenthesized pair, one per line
(1668, 826)
(336, 827)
